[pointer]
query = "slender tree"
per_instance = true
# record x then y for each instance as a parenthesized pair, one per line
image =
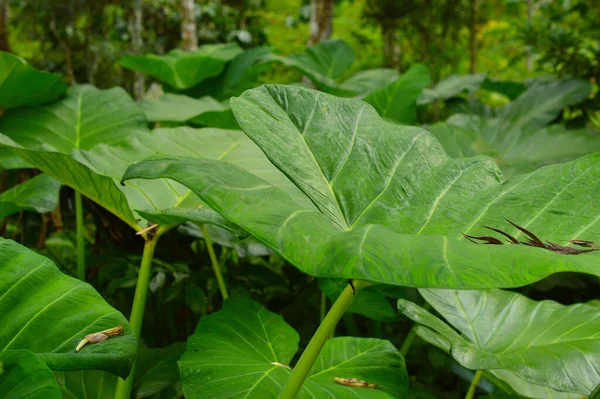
(473, 35)
(4, 31)
(387, 13)
(189, 32)
(135, 29)
(321, 21)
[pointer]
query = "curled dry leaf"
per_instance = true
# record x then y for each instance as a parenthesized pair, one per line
(534, 241)
(353, 382)
(100, 336)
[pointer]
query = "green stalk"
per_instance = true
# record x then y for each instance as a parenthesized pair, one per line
(300, 372)
(412, 334)
(80, 236)
(124, 387)
(323, 307)
(215, 263)
(471, 392)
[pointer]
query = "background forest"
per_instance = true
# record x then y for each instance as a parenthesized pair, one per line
(514, 80)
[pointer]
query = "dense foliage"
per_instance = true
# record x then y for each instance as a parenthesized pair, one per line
(357, 218)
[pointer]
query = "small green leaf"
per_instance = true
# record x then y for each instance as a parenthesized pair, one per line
(451, 86)
(39, 194)
(245, 350)
(178, 107)
(24, 375)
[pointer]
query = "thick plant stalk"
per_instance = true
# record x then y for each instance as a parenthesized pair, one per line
(123, 390)
(294, 383)
(215, 263)
(80, 236)
(474, 382)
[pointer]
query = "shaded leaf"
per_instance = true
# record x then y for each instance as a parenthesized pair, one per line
(178, 107)
(24, 375)
(544, 343)
(48, 313)
(368, 302)
(39, 194)
(181, 69)
(86, 384)
(451, 86)
(256, 346)
(391, 206)
(21, 84)
(157, 369)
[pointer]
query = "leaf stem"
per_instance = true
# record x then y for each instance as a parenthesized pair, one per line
(412, 334)
(80, 236)
(215, 263)
(471, 392)
(124, 387)
(323, 307)
(300, 372)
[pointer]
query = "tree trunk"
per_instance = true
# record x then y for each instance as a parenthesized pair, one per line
(473, 31)
(391, 48)
(189, 33)
(135, 28)
(321, 21)
(529, 49)
(4, 43)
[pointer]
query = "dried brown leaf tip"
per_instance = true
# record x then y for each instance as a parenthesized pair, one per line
(353, 382)
(534, 241)
(100, 336)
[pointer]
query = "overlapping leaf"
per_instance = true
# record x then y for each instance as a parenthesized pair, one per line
(244, 350)
(391, 205)
(24, 375)
(48, 313)
(450, 87)
(181, 69)
(544, 343)
(39, 194)
(21, 84)
(518, 137)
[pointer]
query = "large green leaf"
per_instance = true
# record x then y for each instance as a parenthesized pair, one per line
(242, 351)
(24, 375)
(517, 138)
(85, 384)
(21, 84)
(544, 342)
(365, 82)
(85, 118)
(39, 194)
(451, 86)
(181, 69)
(596, 393)
(397, 101)
(368, 302)
(48, 313)
(391, 205)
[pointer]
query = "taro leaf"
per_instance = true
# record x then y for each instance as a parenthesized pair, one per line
(243, 350)
(85, 118)
(364, 82)
(48, 313)
(205, 111)
(397, 101)
(392, 206)
(39, 194)
(514, 149)
(368, 302)
(182, 70)
(544, 343)
(8, 160)
(24, 375)
(324, 63)
(244, 246)
(595, 394)
(21, 84)
(512, 383)
(156, 370)
(451, 86)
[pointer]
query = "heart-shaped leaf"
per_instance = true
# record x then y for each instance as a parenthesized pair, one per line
(451, 86)
(21, 84)
(544, 342)
(85, 118)
(49, 313)
(392, 206)
(397, 101)
(39, 194)
(244, 350)
(24, 375)
(182, 70)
